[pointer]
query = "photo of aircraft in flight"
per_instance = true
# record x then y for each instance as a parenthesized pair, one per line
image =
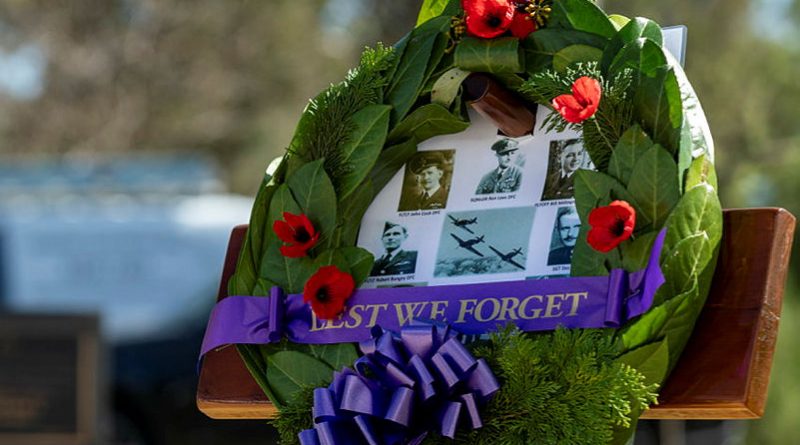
(509, 257)
(467, 244)
(463, 223)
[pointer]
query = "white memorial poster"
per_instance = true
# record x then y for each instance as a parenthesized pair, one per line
(478, 206)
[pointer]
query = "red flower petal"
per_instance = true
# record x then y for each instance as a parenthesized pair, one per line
(294, 251)
(283, 230)
(587, 91)
(294, 220)
(327, 291)
(297, 232)
(582, 103)
(488, 18)
(611, 225)
(522, 25)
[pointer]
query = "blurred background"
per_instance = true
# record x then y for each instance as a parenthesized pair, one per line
(133, 134)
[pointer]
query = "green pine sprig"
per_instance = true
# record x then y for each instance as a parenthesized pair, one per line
(614, 114)
(295, 416)
(557, 388)
(326, 124)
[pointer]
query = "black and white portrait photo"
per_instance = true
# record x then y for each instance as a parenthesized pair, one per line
(426, 184)
(506, 177)
(395, 260)
(566, 228)
(565, 158)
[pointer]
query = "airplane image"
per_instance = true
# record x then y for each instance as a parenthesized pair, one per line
(463, 223)
(469, 243)
(509, 257)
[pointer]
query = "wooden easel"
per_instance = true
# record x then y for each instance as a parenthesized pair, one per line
(722, 374)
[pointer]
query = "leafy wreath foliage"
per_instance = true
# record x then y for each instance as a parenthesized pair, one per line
(649, 141)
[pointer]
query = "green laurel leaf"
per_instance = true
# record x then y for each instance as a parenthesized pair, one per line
(500, 55)
(359, 261)
(593, 188)
(425, 122)
(363, 147)
(337, 356)
(389, 162)
(651, 360)
(409, 76)
(575, 54)
(587, 262)
(540, 47)
(435, 8)
(448, 86)
(634, 29)
(641, 55)
(352, 209)
(581, 15)
(697, 211)
(288, 273)
(658, 105)
(701, 171)
(651, 324)
(686, 260)
(315, 196)
(636, 254)
(701, 141)
(654, 185)
(290, 371)
(632, 145)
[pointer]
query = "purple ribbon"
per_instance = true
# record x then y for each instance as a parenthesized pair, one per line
(532, 305)
(403, 386)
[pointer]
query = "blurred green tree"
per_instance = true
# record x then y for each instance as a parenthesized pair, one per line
(225, 79)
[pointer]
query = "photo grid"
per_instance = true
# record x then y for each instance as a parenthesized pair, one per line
(477, 206)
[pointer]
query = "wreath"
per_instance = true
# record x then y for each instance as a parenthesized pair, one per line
(607, 77)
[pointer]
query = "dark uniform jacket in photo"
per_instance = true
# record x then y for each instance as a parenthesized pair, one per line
(558, 187)
(495, 182)
(420, 201)
(562, 255)
(403, 263)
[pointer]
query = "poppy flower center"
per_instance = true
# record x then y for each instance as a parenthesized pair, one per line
(494, 21)
(301, 235)
(322, 295)
(618, 228)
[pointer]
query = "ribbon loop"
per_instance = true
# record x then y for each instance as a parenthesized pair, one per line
(393, 406)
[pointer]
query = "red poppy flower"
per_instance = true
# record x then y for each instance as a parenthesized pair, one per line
(488, 18)
(611, 225)
(523, 24)
(297, 232)
(327, 290)
(582, 103)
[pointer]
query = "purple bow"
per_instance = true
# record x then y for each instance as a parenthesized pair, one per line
(404, 386)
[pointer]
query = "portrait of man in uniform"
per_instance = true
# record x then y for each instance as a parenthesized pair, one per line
(566, 157)
(395, 260)
(566, 230)
(507, 177)
(426, 183)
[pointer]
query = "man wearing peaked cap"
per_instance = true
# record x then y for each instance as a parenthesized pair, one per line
(507, 177)
(395, 261)
(429, 168)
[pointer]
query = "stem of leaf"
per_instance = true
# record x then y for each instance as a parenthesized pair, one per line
(602, 135)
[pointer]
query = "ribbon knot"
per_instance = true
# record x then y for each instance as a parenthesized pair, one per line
(631, 294)
(401, 379)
